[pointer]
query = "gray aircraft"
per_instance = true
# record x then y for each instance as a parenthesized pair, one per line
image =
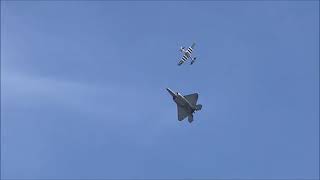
(187, 104)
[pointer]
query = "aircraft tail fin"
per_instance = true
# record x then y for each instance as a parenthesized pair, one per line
(198, 107)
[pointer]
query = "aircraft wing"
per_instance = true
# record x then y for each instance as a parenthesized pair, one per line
(183, 59)
(180, 62)
(192, 98)
(182, 113)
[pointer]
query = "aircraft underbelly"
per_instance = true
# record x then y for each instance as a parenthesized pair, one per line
(180, 102)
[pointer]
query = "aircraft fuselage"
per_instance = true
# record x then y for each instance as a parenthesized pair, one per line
(181, 101)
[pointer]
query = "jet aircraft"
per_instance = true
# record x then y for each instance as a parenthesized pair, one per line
(186, 105)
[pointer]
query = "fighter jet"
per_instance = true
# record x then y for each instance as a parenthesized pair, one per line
(187, 54)
(187, 104)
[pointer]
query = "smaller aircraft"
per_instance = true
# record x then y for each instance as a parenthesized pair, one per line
(186, 105)
(187, 54)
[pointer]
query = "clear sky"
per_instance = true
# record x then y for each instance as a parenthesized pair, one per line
(83, 89)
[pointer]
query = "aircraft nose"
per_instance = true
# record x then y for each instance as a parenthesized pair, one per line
(171, 92)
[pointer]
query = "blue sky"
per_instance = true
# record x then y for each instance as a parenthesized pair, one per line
(83, 89)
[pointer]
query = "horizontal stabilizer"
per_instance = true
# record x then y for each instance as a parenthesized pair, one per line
(198, 107)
